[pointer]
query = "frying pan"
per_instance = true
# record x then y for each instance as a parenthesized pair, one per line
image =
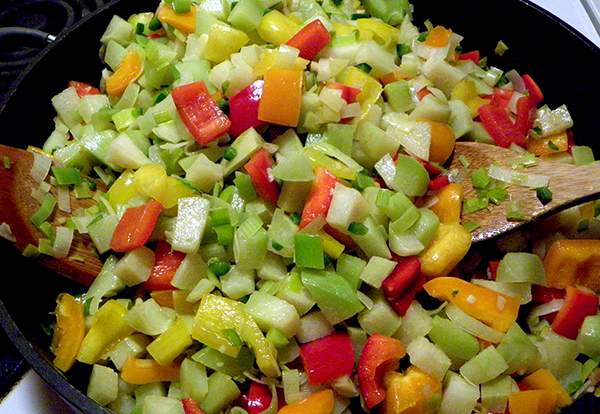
(561, 61)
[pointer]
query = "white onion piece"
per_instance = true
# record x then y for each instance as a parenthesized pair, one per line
(6, 233)
(63, 198)
(510, 176)
(544, 309)
(62, 242)
(516, 80)
(41, 166)
(472, 325)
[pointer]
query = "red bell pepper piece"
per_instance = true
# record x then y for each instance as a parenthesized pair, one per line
(402, 303)
(243, 108)
(545, 294)
(534, 91)
(328, 358)
(84, 89)
(190, 406)
(380, 355)
(473, 56)
(498, 124)
(493, 267)
(421, 93)
(199, 112)
(258, 398)
(526, 112)
(579, 303)
(319, 199)
(439, 182)
(310, 40)
(404, 275)
(135, 227)
(258, 169)
(166, 263)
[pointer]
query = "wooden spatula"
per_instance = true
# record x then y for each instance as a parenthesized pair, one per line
(17, 205)
(570, 185)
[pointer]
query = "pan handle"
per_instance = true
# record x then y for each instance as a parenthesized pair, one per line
(26, 36)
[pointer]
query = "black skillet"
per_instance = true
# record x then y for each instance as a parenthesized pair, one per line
(559, 59)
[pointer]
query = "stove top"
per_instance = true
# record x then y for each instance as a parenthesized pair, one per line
(49, 16)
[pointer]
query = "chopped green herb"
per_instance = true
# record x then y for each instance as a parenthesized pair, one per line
(471, 225)
(514, 211)
(402, 49)
(66, 175)
(471, 205)
(544, 194)
(277, 246)
(365, 67)
(358, 228)
(7, 163)
(296, 218)
(224, 105)
(552, 146)
(455, 292)
(480, 179)
(155, 24)
(233, 337)
(229, 153)
(497, 195)
(356, 16)
(218, 267)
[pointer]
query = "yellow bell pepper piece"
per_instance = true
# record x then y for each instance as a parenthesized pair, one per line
(171, 343)
(532, 402)
(277, 28)
(573, 262)
(494, 309)
(123, 189)
(128, 71)
(282, 97)
(223, 41)
(552, 144)
(108, 328)
(414, 392)
(331, 246)
(68, 332)
(370, 87)
(152, 181)
(466, 91)
(342, 29)
(391, 77)
(320, 402)
(449, 246)
(216, 315)
(449, 204)
(184, 22)
(336, 167)
(145, 371)
(543, 379)
(270, 59)
(382, 32)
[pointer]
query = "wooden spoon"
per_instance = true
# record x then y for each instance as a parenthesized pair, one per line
(570, 185)
(18, 205)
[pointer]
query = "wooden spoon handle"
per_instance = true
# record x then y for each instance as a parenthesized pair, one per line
(17, 205)
(570, 185)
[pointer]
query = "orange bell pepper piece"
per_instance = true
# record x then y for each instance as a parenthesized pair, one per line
(442, 141)
(410, 392)
(543, 379)
(496, 310)
(552, 144)
(69, 331)
(184, 22)
(573, 262)
(144, 371)
(532, 402)
(320, 402)
(282, 97)
(438, 37)
(579, 304)
(128, 71)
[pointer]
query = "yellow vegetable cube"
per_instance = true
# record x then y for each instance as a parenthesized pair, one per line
(277, 28)
(223, 41)
(450, 245)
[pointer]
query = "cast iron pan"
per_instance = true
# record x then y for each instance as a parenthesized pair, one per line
(560, 60)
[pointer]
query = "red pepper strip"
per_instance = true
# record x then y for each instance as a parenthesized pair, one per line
(579, 303)
(439, 182)
(165, 265)
(380, 355)
(404, 275)
(199, 112)
(349, 93)
(243, 108)
(190, 406)
(431, 169)
(534, 91)
(401, 305)
(423, 93)
(472, 56)
(498, 124)
(258, 398)
(84, 89)
(328, 358)
(493, 266)
(258, 169)
(526, 112)
(310, 40)
(135, 227)
(319, 199)
(545, 294)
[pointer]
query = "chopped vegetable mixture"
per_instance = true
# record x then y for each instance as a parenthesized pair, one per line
(280, 233)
